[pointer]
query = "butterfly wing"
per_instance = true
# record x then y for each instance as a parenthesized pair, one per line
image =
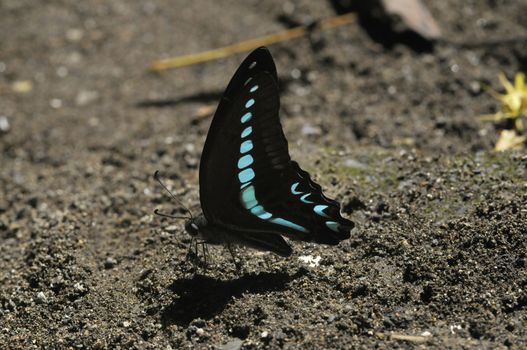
(248, 182)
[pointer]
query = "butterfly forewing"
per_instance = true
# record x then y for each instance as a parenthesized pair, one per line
(248, 181)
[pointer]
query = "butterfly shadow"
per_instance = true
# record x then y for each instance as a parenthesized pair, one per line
(204, 296)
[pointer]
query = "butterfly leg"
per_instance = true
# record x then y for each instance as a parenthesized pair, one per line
(205, 252)
(238, 265)
(189, 252)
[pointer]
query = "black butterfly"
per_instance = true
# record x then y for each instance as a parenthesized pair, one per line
(251, 192)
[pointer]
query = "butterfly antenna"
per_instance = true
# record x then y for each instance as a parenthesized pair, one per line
(157, 212)
(156, 177)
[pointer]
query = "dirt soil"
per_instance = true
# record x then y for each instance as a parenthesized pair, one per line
(439, 255)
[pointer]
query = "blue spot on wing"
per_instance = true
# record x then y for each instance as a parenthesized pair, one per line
(246, 146)
(249, 103)
(245, 161)
(293, 188)
(303, 198)
(319, 210)
(254, 88)
(246, 175)
(247, 131)
(246, 117)
(333, 226)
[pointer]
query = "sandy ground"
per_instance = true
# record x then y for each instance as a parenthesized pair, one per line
(438, 258)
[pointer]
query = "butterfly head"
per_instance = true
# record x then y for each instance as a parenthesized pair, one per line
(191, 227)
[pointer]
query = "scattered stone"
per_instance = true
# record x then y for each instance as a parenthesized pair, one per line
(110, 263)
(85, 97)
(355, 164)
(41, 298)
(310, 260)
(171, 228)
(79, 287)
(62, 71)
(74, 34)
(55, 103)
(4, 124)
(311, 130)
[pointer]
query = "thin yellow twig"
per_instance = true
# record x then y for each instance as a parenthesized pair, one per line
(187, 60)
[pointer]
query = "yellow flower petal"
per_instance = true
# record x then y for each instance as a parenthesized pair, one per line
(509, 139)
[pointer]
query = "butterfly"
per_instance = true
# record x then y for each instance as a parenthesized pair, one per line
(251, 192)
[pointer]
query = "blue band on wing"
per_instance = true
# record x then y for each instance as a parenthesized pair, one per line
(303, 199)
(249, 197)
(319, 209)
(333, 226)
(289, 224)
(248, 193)
(293, 188)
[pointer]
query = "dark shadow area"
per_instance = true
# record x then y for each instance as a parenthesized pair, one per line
(212, 96)
(205, 297)
(380, 27)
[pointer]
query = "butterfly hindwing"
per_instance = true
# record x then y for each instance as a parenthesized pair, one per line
(248, 182)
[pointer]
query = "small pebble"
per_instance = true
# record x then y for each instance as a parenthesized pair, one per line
(74, 34)
(110, 263)
(85, 97)
(79, 287)
(41, 298)
(4, 124)
(55, 103)
(311, 130)
(171, 228)
(296, 73)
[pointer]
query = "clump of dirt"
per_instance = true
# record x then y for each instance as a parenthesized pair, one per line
(439, 254)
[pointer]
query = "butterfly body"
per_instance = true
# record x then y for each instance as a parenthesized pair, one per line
(202, 230)
(251, 192)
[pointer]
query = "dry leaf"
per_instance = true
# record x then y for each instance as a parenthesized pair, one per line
(415, 16)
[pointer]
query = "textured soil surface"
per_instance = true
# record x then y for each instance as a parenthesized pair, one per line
(438, 258)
